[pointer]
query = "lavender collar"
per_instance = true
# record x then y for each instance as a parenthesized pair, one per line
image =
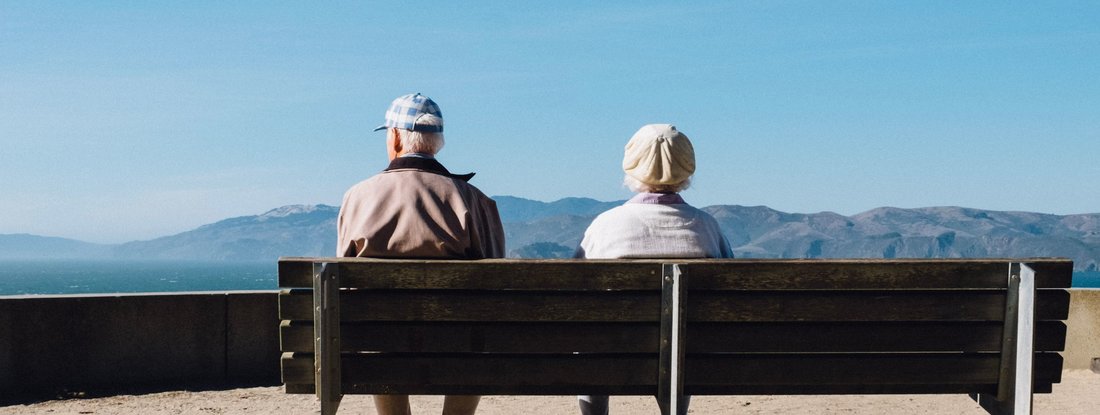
(657, 199)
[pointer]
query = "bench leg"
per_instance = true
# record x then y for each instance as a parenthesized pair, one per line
(670, 387)
(326, 330)
(1014, 394)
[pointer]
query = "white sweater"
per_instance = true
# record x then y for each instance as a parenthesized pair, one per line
(647, 229)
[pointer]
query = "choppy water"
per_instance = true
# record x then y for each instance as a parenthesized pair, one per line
(1086, 279)
(81, 277)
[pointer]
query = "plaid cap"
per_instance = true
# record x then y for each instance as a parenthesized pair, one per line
(406, 109)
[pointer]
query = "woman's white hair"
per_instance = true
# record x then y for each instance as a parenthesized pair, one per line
(637, 186)
(421, 141)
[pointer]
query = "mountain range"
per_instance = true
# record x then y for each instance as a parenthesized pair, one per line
(537, 229)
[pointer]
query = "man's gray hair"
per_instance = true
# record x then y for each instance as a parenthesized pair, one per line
(423, 142)
(637, 186)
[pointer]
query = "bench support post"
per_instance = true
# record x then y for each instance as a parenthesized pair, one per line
(670, 386)
(326, 336)
(1014, 393)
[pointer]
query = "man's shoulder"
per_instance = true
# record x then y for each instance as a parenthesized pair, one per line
(365, 183)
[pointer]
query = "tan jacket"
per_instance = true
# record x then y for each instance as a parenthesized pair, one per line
(417, 209)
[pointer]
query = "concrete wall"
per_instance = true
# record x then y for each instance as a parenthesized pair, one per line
(1082, 329)
(59, 344)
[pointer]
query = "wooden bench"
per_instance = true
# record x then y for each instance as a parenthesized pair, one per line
(986, 327)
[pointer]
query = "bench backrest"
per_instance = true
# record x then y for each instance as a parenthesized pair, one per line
(488, 327)
(613, 327)
(864, 326)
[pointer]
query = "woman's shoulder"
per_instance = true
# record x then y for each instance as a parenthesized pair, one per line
(613, 215)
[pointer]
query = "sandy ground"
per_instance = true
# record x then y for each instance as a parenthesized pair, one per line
(1079, 393)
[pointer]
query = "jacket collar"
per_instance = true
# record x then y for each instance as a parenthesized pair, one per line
(426, 164)
(657, 199)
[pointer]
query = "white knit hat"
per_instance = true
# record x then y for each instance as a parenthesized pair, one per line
(658, 154)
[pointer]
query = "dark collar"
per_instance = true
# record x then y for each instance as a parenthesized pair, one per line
(426, 164)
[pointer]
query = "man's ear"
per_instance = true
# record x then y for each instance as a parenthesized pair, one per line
(395, 146)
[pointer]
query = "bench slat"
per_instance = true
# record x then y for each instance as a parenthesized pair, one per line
(296, 272)
(862, 337)
(1052, 272)
(492, 375)
(542, 390)
(640, 337)
(862, 389)
(719, 274)
(458, 305)
(871, 275)
(483, 337)
(707, 375)
(742, 374)
(398, 305)
(489, 274)
(916, 305)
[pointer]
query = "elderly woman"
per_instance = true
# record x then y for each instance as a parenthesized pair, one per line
(656, 222)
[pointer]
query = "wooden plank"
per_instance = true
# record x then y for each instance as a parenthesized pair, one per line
(710, 375)
(870, 273)
(297, 368)
(861, 337)
(861, 389)
(915, 305)
(290, 303)
(825, 275)
(642, 337)
(854, 389)
(295, 336)
(963, 305)
(505, 275)
(481, 337)
(492, 274)
(1051, 304)
(1051, 273)
(489, 375)
(429, 305)
(295, 272)
(714, 373)
(715, 370)
(632, 274)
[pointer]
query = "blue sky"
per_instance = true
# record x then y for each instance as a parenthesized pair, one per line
(133, 120)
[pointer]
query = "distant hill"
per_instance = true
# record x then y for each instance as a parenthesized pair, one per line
(286, 231)
(536, 229)
(515, 209)
(934, 232)
(554, 229)
(542, 250)
(24, 246)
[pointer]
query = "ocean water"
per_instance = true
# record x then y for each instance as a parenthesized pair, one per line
(1086, 279)
(87, 277)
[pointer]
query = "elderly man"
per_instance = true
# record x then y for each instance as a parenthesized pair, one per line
(656, 223)
(415, 208)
